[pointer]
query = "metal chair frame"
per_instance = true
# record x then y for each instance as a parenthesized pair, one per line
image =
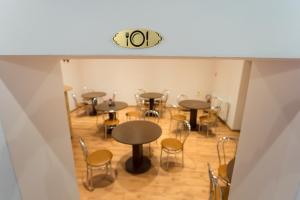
(187, 129)
(213, 115)
(149, 115)
(221, 148)
(215, 185)
(89, 168)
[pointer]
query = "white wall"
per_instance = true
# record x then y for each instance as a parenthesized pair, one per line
(125, 76)
(226, 85)
(71, 77)
(205, 28)
(268, 164)
(9, 189)
(34, 121)
(242, 97)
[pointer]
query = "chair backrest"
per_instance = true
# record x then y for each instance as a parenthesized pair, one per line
(215, 192)
(185, 131)
(225, 155)
(165, 95)
(114, 96)
(139, 101)
(151, 115)
(83, 148)
(86, 89)
(140, 91)
(75, 99)
(173, 110)
(208, 98)
(213, 114)
(181, 97)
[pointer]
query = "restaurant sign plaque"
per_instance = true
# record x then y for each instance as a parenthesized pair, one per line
(137, 38)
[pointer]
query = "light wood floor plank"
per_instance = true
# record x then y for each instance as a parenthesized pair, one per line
(177, 183)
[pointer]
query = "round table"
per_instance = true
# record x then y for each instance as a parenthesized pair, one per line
(105, 107)
(151, 96)
(194, 106)
(92, 96)
(137, 133)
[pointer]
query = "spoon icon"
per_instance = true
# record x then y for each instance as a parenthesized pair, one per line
(127, 36)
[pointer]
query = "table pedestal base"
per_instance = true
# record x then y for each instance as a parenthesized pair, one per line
(195, 127)
(144, 165)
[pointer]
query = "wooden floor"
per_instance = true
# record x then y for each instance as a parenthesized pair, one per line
(176, 183)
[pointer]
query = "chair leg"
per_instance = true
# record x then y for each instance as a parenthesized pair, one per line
(161, 157)
(182, 158)
(106, 168)
(91, 179)
(167, 160)
(105, 131)
(150, 154)
(89, 175)
(207, 130)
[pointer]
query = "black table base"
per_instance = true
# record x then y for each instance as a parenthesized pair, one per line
(193, 119)
(144, 166)
(151, 104)
(93, 111)
(138, 163)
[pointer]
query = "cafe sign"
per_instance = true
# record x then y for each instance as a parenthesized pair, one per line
(137, 38)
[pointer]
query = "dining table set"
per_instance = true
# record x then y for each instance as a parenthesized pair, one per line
(139, 132)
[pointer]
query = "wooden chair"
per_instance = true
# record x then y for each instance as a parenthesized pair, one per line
(179, 98)
(209, 120)
(141, 105)
(224, 154)
(153, 116)
(130, 115)
(97, 159)
(175, 116)
(161, 103)
(81, 107)
(219, 189)
(109, 123)
(175, 145)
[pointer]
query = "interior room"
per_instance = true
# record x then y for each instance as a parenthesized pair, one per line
(135, 99)
(222, 83)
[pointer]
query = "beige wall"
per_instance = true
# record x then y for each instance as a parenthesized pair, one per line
(268, 164)
(193, 77)
(9, 188)
(34, 121)
(227, 85)
(125, 76)
(72, 77)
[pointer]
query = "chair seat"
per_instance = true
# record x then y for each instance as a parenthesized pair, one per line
(206, 120)
(222, 171)
(133, 114)
(171, 144)
(111, 122)
(179, 117)
(99, 157)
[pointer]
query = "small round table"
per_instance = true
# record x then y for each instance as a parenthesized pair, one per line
(151, 96)
(137, 133)
(105, 107)
(92, 96)
(194, 106)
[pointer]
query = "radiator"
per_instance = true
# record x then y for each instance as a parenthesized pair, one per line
(224, 107)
